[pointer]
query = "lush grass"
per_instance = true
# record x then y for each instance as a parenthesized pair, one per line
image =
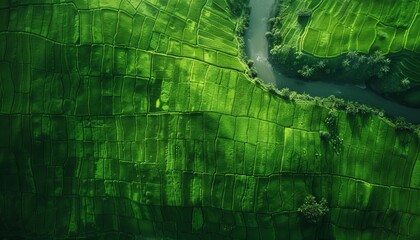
(133, 126)
(331, 29)
(373, 23)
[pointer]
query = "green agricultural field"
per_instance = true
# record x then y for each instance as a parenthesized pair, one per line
(329, 30)
(137, 120)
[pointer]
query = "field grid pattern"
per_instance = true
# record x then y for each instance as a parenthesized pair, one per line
(338, 27)
(135, 118)
(333, 29)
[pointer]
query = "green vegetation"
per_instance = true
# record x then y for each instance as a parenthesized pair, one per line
(238, 7)
(375, 42)
(136, 119)
(312, 210)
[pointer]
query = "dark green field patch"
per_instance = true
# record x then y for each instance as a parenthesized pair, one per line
(384, 37)
(337, 36)
(311, 40)
(367, 35)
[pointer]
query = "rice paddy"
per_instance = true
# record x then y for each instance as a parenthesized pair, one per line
(334, 28)
(135, 119)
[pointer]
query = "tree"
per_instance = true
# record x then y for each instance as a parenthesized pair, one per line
(346, 64)
(405, 83)
(321, 64)
(306, 71)
(313, 211)
(352, 55)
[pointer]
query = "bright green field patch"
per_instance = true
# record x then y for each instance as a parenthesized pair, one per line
(210, 56)
(138, 21)
(174, 47)
(161, 22)
(123, 34)
(345, 40)
(195, 9)
(384, 37)
(321, 20)
(324, 43)
(350, 18)
(209, 40)
(398, 41)
(216, 29)
(367, 25)
(181, 9)
(175, 27)
(388, 14)
(221, 4)
(311, 40)
(218, 19)
(190, 32)
(337, 36)
(406, 12)
(149, 9)
(366, 35)
(413, 35)
(166, 138)
(198, 71)
(192, 51)
(376, 8)
(146, 33)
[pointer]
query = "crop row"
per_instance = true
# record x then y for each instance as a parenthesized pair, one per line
(153, 134)
(339, 27)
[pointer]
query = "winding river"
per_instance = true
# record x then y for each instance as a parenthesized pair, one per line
(257, 50)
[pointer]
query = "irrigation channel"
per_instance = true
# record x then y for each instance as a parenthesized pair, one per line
(257, 50)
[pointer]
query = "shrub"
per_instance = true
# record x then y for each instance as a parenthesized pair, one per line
(285, 93)
(325, 136)
(379, 64)
(336, 102)
(351, 108)
(382, 35)
(313, 211)
(331, 119)
(258, 81)
(304, 13)
(250, 63)
(269, 35)
(281, 53)
(252, 72)
(276, 37)
(237, 6)
(402, 125)
(363, 109)
(293, 95)
(331, 123)
(304, 96)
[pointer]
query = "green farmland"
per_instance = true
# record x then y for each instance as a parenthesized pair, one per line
(328, 30)
(130, 119)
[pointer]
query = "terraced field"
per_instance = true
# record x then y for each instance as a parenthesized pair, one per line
(328, 29)
(134, 119)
